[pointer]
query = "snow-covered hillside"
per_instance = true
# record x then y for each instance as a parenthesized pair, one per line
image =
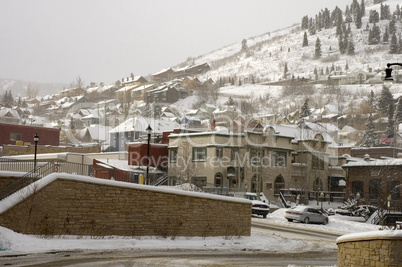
(267, 54)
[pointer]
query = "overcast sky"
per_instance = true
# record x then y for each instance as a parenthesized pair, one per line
(105, 40)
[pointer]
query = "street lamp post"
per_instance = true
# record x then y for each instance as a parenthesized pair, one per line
(36, 140)
(388, 74)
(149, 131)
(322, 199)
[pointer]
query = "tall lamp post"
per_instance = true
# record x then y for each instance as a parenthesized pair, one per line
(149, 131)
(36, 140)
(322, 199)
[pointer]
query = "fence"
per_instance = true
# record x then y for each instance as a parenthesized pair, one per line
(43, 169)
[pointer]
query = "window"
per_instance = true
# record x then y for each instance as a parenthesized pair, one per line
(255, 155)
(358, 187)
(199, 181)
(15, 137)
(374, 188)
(235, 154)
(219, 152)
(173, 155)
(280, 158)
(278, 184)
(199, 154)
(218, 179)
(318, 161)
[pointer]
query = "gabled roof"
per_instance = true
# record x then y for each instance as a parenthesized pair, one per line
(139, 124)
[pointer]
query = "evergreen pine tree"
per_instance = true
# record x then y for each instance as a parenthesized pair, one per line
(362, 8)
(369, 138)
(305, 109)
(304, 23)
(385, 37)
(317, 52)
(156, 110)
(398, 112)
(385, 100)
(244, 45)
(392, 26)
(393, 45)
(341, 44)
(351, 47)
(400, 45)
(285, 71)
(311, 27)
(390, 125)
(348, 15)
(305, 40)
(371, 99)
(148, 110)
(374, 17)
(358, 21)
(374, 35)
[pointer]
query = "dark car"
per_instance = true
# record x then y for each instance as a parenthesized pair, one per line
(306, 214)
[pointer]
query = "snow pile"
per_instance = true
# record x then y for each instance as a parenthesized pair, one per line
(338, 224)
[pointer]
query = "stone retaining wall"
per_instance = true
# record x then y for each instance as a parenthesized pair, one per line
(377, 248)
(62, 204)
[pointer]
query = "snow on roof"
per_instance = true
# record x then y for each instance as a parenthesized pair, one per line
(360, 162)
(139, 124)
(11, 112)
(143, 87)
(99, 132)
(162, 71)
(127, 88)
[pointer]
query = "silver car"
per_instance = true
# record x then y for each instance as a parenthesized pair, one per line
(306, 214)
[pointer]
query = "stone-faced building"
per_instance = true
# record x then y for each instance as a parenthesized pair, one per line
(257, 161)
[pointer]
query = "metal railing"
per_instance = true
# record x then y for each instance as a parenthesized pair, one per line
(161, 180)
(40, 172)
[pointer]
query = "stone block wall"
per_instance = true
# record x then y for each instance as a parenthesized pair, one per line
(371, 249)
(62, 204)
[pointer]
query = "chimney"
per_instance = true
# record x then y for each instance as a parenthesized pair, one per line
(212, 125)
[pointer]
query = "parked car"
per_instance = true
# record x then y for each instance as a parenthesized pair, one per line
(306, 214)
(259, 207)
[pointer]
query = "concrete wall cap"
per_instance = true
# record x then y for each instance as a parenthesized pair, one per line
(372, 235)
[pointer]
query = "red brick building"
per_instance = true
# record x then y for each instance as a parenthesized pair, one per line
(134, 169)
(378, 182)
(158, 155)
(13, 134)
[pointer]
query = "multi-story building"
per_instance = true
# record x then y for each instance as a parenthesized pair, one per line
(257, 161)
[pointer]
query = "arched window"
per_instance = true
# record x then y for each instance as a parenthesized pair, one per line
(256, 180)
(358, 187)
(218, 179)
(278, 184)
